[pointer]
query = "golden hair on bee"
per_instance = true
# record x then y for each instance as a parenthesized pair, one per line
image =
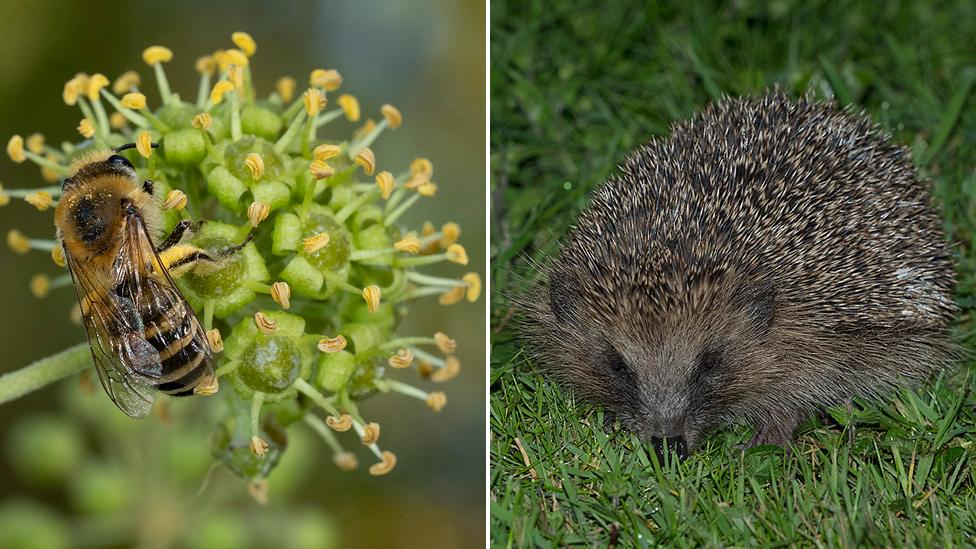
(92, 209)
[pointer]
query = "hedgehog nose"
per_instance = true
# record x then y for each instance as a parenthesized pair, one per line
(673, 445)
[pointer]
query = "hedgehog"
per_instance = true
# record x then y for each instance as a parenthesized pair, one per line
(770, 258)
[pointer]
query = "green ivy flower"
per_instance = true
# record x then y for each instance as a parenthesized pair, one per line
(324, 245)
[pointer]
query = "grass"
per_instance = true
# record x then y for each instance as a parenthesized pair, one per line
(574, 86)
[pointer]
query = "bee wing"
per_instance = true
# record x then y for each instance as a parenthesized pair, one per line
(127, 364)
(160, 303)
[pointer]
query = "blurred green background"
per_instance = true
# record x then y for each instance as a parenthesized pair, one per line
(110, 477)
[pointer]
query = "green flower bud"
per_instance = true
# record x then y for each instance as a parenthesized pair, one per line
(261, 122)
(227, 188)
(233, 449)
(287, 234)
(44, 449)
(273, 193)
(269, 363)
(303, 277)
(184, 147)
(236, 152)
(177, 115)
(335, 369)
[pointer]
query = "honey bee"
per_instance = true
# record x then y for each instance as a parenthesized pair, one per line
(143, 335)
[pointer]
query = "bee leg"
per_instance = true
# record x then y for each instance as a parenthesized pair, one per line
(180, 259)
(177, 234)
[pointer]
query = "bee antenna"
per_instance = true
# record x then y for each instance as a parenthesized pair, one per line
(128, 146)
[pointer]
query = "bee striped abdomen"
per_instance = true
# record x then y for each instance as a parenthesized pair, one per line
(176, 335)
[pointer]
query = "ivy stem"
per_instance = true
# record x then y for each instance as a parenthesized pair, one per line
(44, 372)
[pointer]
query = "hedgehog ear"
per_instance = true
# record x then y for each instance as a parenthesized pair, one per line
(562, 298)
(758, 299)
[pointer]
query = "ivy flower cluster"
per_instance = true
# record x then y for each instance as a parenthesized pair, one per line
(302, 319)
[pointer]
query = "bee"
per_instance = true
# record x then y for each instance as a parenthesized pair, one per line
(143, 335)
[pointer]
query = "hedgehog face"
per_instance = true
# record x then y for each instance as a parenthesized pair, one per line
(670, 377)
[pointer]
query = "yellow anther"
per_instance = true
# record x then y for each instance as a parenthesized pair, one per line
(4, 197)
(244, 41)
(371, 294)
(384, 180)
(320, 169)
(281, 294)
(125, 82)
(315, 243)
(207, 387)
(95, 85)
(328, 79)
(215, 340)
(422, 166)
(48, 173)
(409, 243)
(325, 151)
(427, 189)
(202, 121)
(392, 116)
(385, 466)
(41, 200)
(445, 343)
(15, 149)
(35, 143)
(451, 296)
(205, 64)
(175, 200)
(57, 255)
(218, 91)
(403, 359)
(428, 229)
(144, 143)
(332, 344)
(117, 121)
(436, 401)
(40, 284)
(350, 107)
(416, 180)
(229, 57)
(365, 129)
(265, 324)
(258, 446)
(314, 102)
(456, 254)
(18, 242)
(236, 76)
(366, 159)
(449, 371)
(255, 165)
(371, 433)
(450, 232)
(473, 282)
(340, 424)
(134, 100)
(70, 93)
(74, 315)
(156, 54)
(286, 88)
(345, 461)
(86, 128)
(257, 212)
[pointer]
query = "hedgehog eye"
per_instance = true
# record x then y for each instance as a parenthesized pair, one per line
(709, 360)
(616, 362)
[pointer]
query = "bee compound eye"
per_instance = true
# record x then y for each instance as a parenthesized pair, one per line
(119, 160)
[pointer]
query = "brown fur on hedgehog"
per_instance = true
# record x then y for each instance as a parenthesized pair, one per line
(768, 259)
